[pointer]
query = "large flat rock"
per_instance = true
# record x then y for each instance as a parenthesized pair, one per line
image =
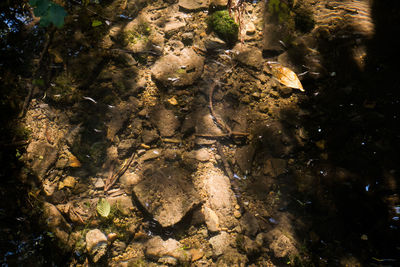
(220, 199)
(193, 5)
(166, 193)
(178, 70)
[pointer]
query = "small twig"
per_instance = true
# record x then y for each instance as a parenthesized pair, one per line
(111, 180)
(224, 161)
(93, 12)
(222, 124)
(228, 131)
(30, 86)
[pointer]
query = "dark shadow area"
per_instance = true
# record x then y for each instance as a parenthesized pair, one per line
(61, 81)
(352, 178)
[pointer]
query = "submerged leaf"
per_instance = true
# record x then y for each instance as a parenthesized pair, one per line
(103, 207)
(96, 23)
(285, 76)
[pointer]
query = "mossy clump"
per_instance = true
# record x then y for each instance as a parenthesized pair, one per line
(140, 33)
(280, 9)
(63, 91)
(304, 20)
(224, 25)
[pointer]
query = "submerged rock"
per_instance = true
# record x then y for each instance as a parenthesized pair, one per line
(244, 158)
(280, 244)
(221, 243)
(168, 251)
(220, 197)
(193, 5)
(41, 155)
(167, 194)
(96, 244)
(182, 70)
(165, 121)
(214, 43)
(56, 223)
(249, 56)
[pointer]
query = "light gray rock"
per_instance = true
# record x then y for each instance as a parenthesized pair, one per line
(193, 5)
(99, 183)
(128, 180)
(220, 197)
(201, 155)
(96, 244)
(211, 219)
(160, 250)
(173, 26)
(221, 243)
(182, 70)
(167, 194)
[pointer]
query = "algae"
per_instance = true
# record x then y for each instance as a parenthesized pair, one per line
(224, 26)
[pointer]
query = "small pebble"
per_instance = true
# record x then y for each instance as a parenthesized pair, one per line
(237, 214)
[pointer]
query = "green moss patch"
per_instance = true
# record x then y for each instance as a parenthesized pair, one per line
(224, 26)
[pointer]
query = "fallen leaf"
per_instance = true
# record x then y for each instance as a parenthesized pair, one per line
(285, 76)
(173, 101)
(96, 23)
(74, 162)
(103, 207)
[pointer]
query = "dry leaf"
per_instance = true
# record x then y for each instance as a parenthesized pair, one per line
(74, 162)
(285, 76)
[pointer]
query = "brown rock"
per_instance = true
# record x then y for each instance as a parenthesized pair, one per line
(249, 56)
(193, 5)
(182, 70)
(96, 244)
(220, 197)
(196, 254)
(167, 194)
(157, 248)
(165, 121)
(56, 224)
(221, 243)
(244, 158)
(41, 156)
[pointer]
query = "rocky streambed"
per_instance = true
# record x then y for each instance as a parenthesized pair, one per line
(202, 156)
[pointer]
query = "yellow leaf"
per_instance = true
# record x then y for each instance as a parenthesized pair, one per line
(74, 162)
(285, 76)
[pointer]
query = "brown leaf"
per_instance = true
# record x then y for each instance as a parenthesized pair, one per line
(74, 162)
(285, 76)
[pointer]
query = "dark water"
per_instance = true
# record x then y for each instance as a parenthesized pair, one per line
(353, 204)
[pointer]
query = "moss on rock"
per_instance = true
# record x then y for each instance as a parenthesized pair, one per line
(224, 25)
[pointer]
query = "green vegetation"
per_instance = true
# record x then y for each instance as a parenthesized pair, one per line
(304, 20)
(279, 9)
(224, 25)
(49, 12)
(140, 32)
(103, 207)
